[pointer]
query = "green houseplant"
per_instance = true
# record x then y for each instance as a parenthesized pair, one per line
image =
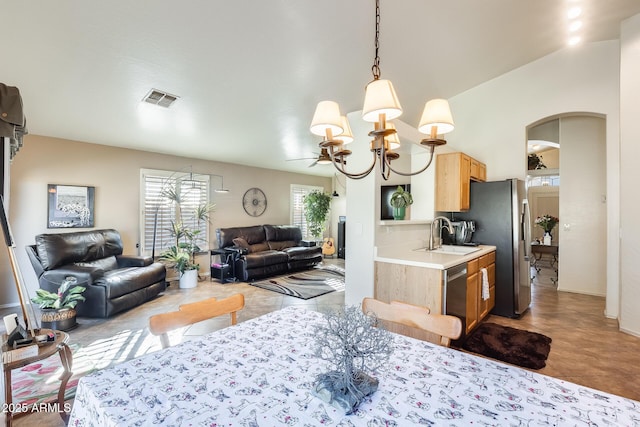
(181, 255)
(316, 208)
(400, 199)
(58, 308)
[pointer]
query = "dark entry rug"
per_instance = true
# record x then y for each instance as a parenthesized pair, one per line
(307, 284)
(511, 345)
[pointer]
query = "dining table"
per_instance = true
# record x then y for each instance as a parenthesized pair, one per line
(262, 372)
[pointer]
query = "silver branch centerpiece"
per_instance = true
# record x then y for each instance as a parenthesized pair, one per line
(350, 341)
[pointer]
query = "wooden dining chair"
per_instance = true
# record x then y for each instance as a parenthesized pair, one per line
(405, 319)
(189, 314)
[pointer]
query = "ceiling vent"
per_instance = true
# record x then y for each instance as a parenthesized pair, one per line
(160, 98)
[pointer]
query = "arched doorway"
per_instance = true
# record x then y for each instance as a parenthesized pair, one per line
(581, 179)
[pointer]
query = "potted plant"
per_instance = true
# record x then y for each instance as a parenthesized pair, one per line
(399, 201)
(547, 223)
(58, 309)
(535, 162)
(181, 255)
(316, 209)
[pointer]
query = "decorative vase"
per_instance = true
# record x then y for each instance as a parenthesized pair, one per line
(546, 239)
(59, 320)
(189, 279)
(398, 213)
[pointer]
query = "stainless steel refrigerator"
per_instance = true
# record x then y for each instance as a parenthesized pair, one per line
(500, 210)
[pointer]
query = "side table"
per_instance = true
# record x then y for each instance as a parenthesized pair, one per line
(225, 272)
(45, 350)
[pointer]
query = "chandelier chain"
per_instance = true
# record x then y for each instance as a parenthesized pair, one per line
(375, 69)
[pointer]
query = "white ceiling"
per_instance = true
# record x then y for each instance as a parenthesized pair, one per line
(249, 73)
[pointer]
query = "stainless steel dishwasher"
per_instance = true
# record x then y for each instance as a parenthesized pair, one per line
(454, 294)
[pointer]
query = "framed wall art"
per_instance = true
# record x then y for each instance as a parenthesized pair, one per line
(70, 206)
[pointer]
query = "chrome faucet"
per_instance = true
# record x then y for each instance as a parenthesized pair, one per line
(447, 225)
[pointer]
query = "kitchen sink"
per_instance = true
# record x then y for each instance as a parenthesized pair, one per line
(455, 250)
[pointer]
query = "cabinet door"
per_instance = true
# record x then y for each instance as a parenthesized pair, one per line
(485, 306)
(472, 302)
(465, 181)
(482, 176)
(448, 182)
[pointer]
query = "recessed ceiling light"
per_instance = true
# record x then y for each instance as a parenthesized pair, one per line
(574, 12)
(575, 26)
(160, 98)
(574, 41)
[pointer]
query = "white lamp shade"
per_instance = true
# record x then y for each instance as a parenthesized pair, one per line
(436, 113)
(379, 98)
(393, 140)
(327, 116)
(346, 136)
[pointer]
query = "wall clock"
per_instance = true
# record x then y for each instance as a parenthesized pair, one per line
(254, 202)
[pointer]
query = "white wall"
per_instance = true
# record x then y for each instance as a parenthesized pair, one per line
(362, 213)
(114, 172)
(630, 175)
(492, 118)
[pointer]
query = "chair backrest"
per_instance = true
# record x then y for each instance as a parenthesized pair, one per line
(443, 326)
(195, 312)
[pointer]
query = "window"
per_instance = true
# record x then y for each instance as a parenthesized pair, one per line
(297, 207)
(543, 181)
(158, 212)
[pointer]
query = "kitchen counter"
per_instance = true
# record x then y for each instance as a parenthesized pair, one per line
(401, 254)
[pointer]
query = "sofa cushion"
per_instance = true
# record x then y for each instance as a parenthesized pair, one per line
(130, 279)
(55, 250)
(298, 253)
(266, 258)
(278, 246)
(106, 264)
(282, 232)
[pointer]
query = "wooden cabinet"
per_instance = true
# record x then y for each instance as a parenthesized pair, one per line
(477, 307)
(489, 262)
(454, 173)
(424, 286)
(478, 171)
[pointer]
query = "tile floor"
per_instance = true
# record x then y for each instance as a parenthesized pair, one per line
(587, 348)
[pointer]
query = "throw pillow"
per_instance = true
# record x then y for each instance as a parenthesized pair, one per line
(278, 246)
(258, 247)
(241, 242)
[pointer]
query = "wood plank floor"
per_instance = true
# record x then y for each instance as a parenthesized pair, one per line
(587, 348)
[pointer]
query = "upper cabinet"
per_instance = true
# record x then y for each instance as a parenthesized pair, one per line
(454, 173)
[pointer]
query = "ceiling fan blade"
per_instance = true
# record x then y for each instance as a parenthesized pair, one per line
(313, 164)
(301, 158)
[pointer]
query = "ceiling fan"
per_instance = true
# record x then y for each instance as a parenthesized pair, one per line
(321, 159)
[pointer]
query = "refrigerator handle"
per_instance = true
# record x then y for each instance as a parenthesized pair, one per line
(526, 228)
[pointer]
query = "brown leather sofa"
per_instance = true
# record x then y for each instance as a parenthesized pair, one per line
(267, 250)
(114, 282)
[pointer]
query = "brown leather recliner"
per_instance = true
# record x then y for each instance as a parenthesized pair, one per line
(268, 250)
(114, 282)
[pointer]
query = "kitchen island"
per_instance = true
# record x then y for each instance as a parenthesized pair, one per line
(418, 276)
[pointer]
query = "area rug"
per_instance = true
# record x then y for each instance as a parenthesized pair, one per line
(307, 284)
(511, 345)
(39, 382)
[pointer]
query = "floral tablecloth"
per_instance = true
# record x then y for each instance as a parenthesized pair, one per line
(260, 373)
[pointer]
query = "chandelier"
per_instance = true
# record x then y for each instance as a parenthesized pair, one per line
(380, 105)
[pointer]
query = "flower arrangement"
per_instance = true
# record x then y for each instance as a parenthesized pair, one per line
(68, 295)
(547, 222)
